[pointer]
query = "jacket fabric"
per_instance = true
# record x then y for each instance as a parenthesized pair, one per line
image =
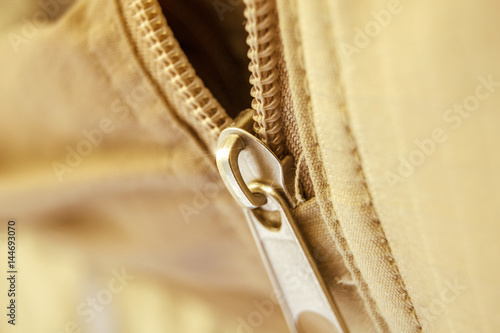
(111, 182)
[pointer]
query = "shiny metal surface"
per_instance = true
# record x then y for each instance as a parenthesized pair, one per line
(298, 284)
(262, 185)
(242, 159)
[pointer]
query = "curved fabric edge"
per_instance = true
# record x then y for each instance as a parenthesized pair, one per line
(324, 128)
(146, 59)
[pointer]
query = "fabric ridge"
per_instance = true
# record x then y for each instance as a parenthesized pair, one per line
(302, 104)
(368, 237)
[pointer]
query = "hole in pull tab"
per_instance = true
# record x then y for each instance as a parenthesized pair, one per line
(310, 322)
(269, 219)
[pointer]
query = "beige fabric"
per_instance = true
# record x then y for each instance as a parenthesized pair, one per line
(300, 88)
(332, 267)
(417, 243)
(419, 237)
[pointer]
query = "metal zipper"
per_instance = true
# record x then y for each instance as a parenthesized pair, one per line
(263, 185)
(252, 161)
(192, 100)
(260, 177)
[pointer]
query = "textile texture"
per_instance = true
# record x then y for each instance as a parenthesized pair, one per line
(394, 105)
(399, 111)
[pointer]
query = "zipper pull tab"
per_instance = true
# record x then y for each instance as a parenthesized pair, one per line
(263, 186)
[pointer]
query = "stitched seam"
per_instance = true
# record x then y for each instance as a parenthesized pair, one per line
(362, 285)
(388, 258)
(321, 187)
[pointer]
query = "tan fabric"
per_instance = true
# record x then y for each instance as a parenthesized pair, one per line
(416, 243)
(419, 240)
(332, 267)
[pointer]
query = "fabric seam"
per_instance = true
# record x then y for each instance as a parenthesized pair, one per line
(359, 169)
(321, 187)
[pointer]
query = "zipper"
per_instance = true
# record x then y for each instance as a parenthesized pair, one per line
(196, 103)
(263, 186)
(251, 158)
(262, 40)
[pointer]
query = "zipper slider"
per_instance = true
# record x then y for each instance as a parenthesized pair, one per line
(263, 186)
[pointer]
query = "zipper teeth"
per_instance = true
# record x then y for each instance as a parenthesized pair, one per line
(262, 28)
(175, 66)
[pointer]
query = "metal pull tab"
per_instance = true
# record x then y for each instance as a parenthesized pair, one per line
(302, 292)
(259, 181)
